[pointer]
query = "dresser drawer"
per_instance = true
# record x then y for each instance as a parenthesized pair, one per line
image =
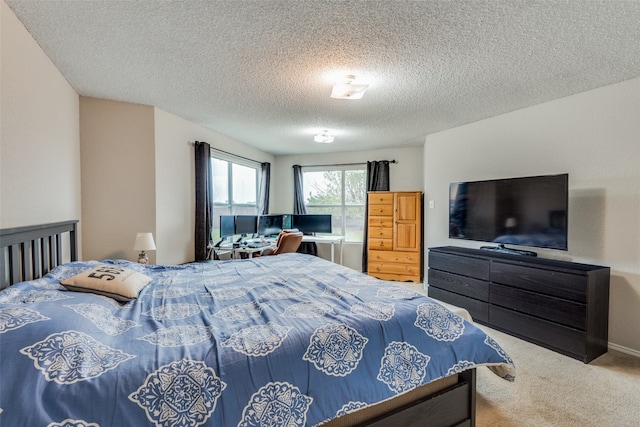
(380, 210)
(561, 338)
(558, 310)
(381, 198)
(381, 244)
(395, 257)
(573, 286)
(478, 310)
(397, 277)
(381, 222)
(380, 233)
(394, 268)
(467, 266)
(458, 284)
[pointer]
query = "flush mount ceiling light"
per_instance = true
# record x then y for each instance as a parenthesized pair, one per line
(347, 89)
(324, 137)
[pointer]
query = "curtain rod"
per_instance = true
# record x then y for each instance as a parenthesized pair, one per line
(346, 164)
(228, 153)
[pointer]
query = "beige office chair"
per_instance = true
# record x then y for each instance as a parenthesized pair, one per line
(288, 241)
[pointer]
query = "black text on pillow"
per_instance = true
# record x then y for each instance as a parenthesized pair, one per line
(119, 283)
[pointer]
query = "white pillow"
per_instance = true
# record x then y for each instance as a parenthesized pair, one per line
(119, 283)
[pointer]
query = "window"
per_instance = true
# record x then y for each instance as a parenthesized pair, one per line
(340, 192)
(235, 190)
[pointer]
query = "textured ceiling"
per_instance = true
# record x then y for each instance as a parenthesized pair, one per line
(260, 71)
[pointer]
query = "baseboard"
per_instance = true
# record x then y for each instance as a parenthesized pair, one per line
(625, 350)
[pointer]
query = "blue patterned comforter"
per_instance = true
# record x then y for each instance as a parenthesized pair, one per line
(288, 340)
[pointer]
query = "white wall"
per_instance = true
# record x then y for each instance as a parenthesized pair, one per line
(404, 175)
(39, 137)
(595, 137)
(175, 181)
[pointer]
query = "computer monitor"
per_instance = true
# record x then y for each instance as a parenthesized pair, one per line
(270, 225)
(227, 226)
(246, 224)
(312, 223)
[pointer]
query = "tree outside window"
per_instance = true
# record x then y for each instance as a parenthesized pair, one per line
(341, 193)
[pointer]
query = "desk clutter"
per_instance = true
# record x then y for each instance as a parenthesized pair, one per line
(244, 236)
(287, 241)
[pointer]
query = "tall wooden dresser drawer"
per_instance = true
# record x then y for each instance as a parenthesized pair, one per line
(394, 257)
(381, 222)
(380, 233)
(394, 268)
(380, 210)
(380, 198)
(381, 244)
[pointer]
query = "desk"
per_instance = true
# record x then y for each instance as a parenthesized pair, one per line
(249, 250)
(333, 240)
(327, 239)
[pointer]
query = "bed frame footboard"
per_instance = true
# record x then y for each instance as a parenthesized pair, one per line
(454, 406)
(32, 251)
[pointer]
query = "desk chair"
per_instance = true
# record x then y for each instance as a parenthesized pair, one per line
(288, 241)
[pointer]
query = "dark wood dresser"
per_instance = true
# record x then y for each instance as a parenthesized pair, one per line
(560, 305)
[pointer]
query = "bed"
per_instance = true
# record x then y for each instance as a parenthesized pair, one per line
(287, 340)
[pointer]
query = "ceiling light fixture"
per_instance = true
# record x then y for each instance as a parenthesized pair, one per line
(347, 89)
(324, 137)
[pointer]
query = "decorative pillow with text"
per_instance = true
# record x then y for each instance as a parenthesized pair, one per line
(119, 283)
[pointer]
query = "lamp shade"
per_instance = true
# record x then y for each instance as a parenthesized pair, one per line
(144, 242)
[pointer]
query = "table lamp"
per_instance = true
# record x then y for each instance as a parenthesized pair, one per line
(144, 242)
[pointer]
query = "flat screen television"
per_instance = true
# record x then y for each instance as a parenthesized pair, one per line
(312, 223)
(246, 224)
(527, 211)
(270, 225)
(227, 226)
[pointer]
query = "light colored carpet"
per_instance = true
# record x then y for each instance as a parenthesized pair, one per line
(552, 390)
(555, 390)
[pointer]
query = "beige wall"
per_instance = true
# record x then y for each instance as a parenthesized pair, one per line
(39, 138)
(138, 176)
(118, 177)
(175, 180)
(595, 137)
(405, 175)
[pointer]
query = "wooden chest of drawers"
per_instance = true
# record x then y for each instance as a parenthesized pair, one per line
(394, 235)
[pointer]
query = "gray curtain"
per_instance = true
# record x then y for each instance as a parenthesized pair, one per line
(377, 180)
(204, 200)
(265, 180)
(298, 197)
(299, 208)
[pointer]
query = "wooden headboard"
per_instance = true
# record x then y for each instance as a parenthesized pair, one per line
(30, 252)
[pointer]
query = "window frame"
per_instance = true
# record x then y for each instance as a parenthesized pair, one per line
(342, 206)
(230, 208)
